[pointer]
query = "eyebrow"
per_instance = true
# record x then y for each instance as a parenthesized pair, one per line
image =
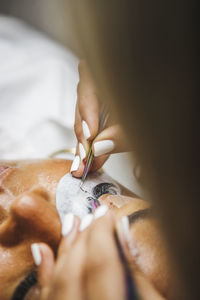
(140, 214)
(24, 286)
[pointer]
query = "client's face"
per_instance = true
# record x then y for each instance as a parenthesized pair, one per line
(28, 214)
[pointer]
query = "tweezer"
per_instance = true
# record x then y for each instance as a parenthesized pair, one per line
(102, 123)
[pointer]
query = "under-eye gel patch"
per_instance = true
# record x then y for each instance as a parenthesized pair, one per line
(70, 198)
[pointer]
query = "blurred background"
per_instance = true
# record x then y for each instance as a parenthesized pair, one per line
(47, 16)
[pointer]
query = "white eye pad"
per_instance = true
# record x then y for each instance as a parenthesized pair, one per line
(71, 199)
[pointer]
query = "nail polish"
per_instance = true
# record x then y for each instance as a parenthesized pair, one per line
(67, 225)
(103, 147)
(36, 254)
(100, 211)
(86, 130)
(86, 221)
(75, 164)
(82, 151)
(126, 228)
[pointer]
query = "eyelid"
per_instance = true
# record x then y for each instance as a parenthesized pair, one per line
(140, 214)
(105, 188)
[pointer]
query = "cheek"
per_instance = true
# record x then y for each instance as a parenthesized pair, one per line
(17, 181)
(113, 201)
(149, 253)
(15, 263)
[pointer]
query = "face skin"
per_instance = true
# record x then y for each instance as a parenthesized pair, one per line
(28, 215)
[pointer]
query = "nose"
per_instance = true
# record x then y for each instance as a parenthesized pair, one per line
(32, 217)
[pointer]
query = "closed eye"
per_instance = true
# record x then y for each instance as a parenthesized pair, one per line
(103, 188)
(99, 190)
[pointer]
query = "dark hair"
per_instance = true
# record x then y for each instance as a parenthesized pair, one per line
(143, 55)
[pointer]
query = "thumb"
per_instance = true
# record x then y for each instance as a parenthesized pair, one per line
(43, 257)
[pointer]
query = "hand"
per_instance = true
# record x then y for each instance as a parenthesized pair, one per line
(110, 140)
(87, 265)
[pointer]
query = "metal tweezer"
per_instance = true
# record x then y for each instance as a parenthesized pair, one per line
(103, 118)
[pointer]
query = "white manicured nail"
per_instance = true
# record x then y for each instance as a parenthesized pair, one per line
(86, 130)
(103, 147)
(75, 164)
(67, 224)
(100, 211)
(82, 151)
(86, 221)
(36, 254)
(126, 228)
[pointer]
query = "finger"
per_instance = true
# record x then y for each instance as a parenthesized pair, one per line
(44, 258)
(62, 281)
(78, 124)
(88, 103)
(110, 140)
(98, 162)
(77, 168)
(70, 230)
(104, 270)
(123, 233)
(70, 265)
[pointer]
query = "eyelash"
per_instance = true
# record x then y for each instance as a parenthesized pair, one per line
(25, 285)
(99, 190)
(103, 188)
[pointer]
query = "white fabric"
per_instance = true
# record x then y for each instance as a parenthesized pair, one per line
(38, 82)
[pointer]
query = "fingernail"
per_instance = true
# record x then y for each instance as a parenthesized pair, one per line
(67, 224)
(86, 130)
(126, 228)
(75, 164)
(36, 254)
(103, 147)
(100, 211)
(86, 221)
(82, 151)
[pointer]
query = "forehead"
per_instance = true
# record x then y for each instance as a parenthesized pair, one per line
(19, 176)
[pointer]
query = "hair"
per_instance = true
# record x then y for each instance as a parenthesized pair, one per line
(143, 57)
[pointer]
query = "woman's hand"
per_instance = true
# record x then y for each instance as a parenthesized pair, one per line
(87, 265)
(110, 140)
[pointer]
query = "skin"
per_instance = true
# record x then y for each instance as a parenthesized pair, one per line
(88, 109)
(28, 215)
